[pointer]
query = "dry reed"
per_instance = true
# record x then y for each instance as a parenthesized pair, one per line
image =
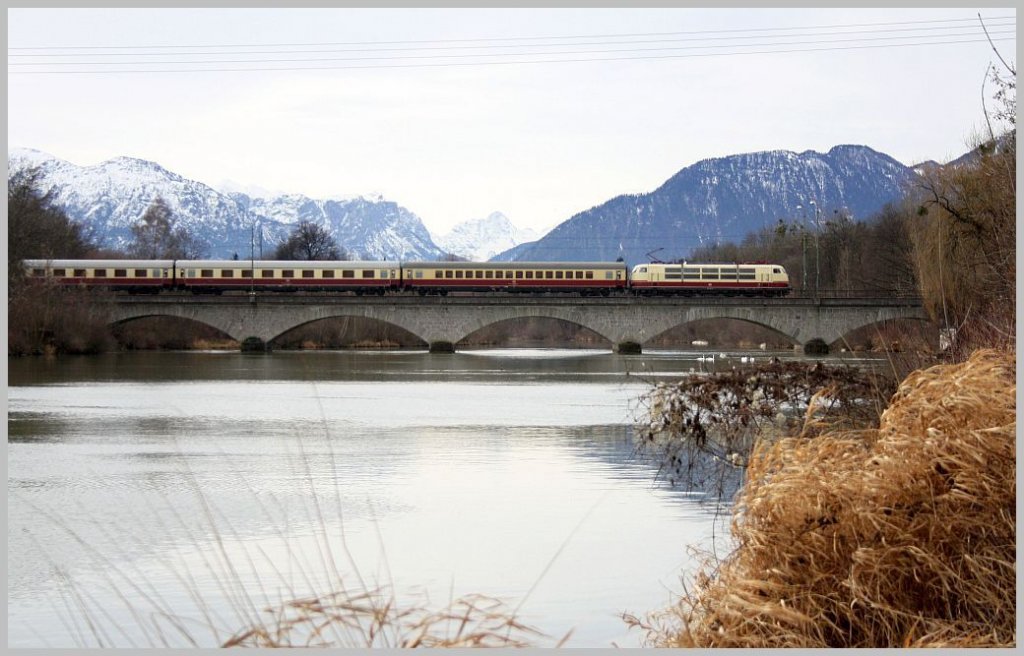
(372, 619)
(904, 535)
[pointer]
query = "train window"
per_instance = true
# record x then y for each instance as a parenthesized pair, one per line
(643, 269)
(79, 273)
(558, 275)
(579, 275)
(590, 275)
(288, 273)
(519, 274)
(307, 273)
(479, 274)
(367, 273)
(529, 274)
(38, 272)
(458, 274)
(488, 274)
(327, 273)
(247, 273)
(776, 270)
(227, 273)
(508, 274)
(348, 273)
(120, 273)
(59, 272)
(709, 274)
(449, 274)
(691, 273)
(155, 273)
(100, 273)
(140, 273)
(267, 273)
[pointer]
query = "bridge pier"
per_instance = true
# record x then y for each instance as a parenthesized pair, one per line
(254, 345)
(816, 346)
(628, 348)
(441, 346)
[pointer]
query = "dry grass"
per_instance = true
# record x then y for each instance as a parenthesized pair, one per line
(703, 428)
(904, 535)
(371, 619)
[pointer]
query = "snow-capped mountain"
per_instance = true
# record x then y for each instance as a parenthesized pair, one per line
(482, 239)
(108, 198)
(712, 201)
(724, 199)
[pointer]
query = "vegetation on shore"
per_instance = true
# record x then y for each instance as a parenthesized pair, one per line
(895, 536)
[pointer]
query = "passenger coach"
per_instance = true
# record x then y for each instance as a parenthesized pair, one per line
(118, 275)
(583, 277)
(288, 275)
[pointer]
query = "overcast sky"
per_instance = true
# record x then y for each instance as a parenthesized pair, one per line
(435, 109)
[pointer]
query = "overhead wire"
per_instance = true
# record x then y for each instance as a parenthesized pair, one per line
(526, 38)
(463, 56)
(500, 45)
(574, 55)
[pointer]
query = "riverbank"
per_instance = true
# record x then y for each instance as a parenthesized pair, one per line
(895, 536)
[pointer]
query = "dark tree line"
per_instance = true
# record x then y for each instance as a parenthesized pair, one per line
(838, 257)
(36, 229)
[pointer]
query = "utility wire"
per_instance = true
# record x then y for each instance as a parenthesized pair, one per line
(481, 55)
(525, 38)
(536, 45)
(500, 63)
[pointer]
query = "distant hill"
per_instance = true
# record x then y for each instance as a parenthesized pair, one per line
(482, 239)
(724, 199)
(110, 197)
(712, 201)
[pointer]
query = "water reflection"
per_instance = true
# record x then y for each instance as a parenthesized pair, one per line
(199, 474)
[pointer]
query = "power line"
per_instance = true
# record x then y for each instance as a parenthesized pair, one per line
(538, 45)
(474, 55)
(526, 38)
(500, 63)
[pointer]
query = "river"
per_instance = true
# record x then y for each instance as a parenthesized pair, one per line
(165, 498)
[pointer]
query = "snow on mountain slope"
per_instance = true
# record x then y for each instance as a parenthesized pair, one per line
(108, 198)
(482, 239)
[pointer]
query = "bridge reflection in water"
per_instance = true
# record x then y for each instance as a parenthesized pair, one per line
(627, 322)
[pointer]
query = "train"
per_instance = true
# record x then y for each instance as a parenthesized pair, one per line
(425, 278)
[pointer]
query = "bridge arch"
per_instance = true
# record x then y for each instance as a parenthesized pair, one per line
(735, 330)
(126, 320)
(882, 332)
(534, 329)
(337, 329)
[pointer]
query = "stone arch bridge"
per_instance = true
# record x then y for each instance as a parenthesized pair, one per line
(442, 322)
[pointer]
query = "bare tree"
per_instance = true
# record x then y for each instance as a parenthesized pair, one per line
(37, 229)
(157, 235)
(309, 241)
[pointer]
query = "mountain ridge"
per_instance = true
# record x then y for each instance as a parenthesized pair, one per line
(710, 201)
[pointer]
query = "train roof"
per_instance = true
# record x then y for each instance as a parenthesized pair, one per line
(517, 265)
(94, 264)
(293, 264)
(708, 264)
